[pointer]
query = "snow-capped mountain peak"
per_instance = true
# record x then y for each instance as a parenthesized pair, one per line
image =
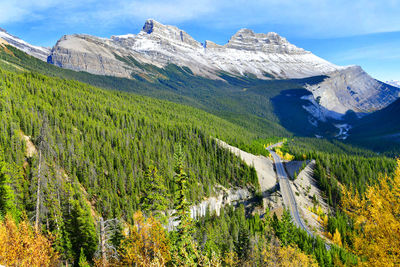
(155, 30)
(246, 39)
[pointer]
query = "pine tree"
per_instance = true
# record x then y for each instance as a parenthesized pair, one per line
(82, 259)
(7, 197)
(82, 229)
(184, 251)
(154, 198)
(242, 246)
(285, 228)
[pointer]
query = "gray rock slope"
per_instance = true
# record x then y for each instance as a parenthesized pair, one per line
(353, 89)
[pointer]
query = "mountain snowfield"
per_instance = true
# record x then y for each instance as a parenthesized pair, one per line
(37, 51)
(265, 56)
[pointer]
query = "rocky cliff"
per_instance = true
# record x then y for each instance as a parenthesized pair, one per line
(352, 89)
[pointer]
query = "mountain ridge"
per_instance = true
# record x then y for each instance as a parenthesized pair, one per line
(262, 55)
(36, 51)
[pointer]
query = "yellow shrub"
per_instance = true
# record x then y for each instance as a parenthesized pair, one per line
(21, 246)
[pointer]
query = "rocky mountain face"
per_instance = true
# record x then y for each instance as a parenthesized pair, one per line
(353, 89)
(39, 52)
(263, 55)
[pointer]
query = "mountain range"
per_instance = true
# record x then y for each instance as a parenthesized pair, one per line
(258, 56)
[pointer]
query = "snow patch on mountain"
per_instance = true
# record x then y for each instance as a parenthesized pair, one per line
(319, 112)
(394, 83)
(36, 51)
(343, 130)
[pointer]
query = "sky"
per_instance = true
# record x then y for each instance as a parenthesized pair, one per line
(356, 32)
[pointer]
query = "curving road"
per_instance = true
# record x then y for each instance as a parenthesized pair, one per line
(287, 194)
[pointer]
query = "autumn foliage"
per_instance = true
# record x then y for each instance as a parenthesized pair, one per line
(377, 221)
(146, 244)
(21, 246)
(287, 256)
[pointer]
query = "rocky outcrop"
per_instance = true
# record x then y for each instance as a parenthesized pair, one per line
(90, 54)
(213, 204)
(271, 42)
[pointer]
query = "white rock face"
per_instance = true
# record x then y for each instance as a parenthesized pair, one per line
(36, 51)
(352, 89)
(246, 53)
(213, 204)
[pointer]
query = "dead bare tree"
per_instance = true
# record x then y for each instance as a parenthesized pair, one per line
(43, 148)
(106, 250)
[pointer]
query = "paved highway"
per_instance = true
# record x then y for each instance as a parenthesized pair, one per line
(287, 194)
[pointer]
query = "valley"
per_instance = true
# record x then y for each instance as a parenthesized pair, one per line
(155, 149)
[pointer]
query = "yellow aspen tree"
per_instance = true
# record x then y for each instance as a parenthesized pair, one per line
(146, 244)
(20, 245)
(291, 256)
(337, 238)
(376, 217)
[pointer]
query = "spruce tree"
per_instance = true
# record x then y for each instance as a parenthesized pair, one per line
(82, 229)
(242, 245)
(154, 197)
(7, 197)
(82, 259)
(185, 251)
(284, 227)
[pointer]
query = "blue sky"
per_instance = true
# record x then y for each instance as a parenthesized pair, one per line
(362, 32)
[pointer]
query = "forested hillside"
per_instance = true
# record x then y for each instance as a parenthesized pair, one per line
(87, 174)
(94, 147)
